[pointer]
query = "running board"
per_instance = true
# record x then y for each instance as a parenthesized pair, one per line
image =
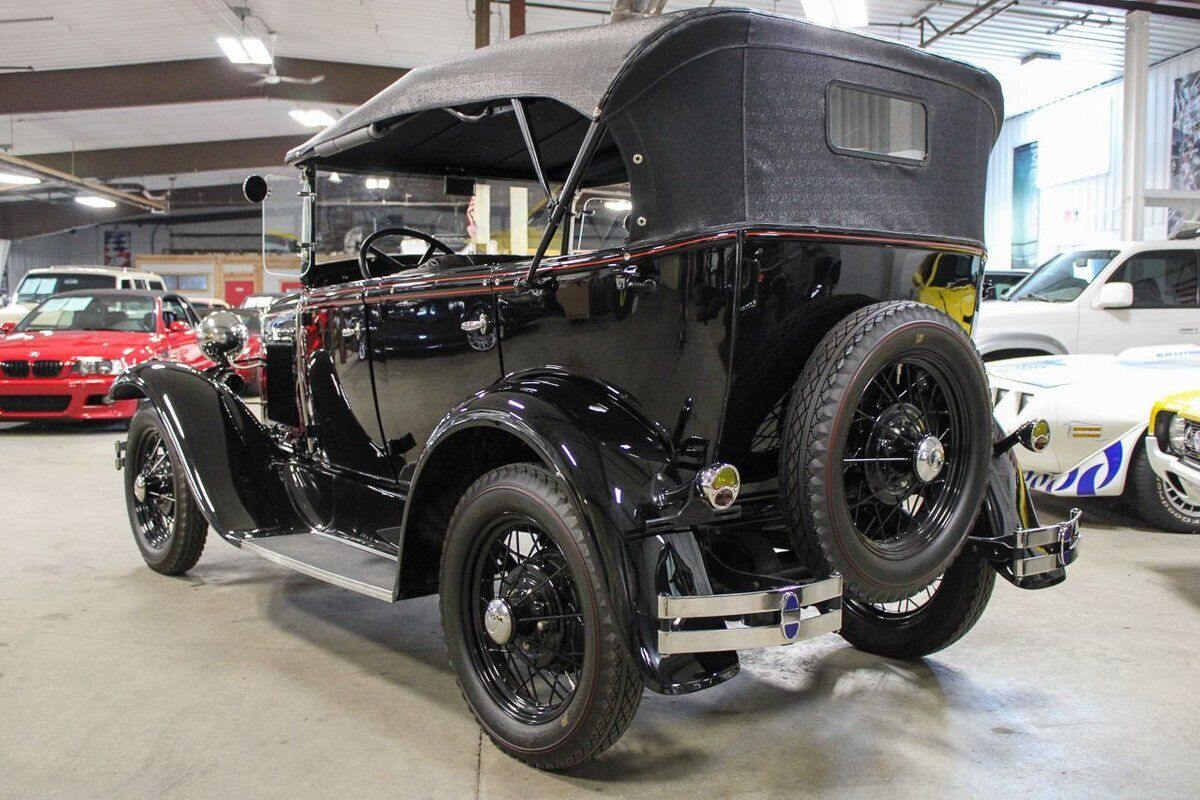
(331, 559)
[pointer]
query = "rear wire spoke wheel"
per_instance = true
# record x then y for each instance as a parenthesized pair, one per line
(529, 630)
(885, 450)
(928, 620)
(167, 524)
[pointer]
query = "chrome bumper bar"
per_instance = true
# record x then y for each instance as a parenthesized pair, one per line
(1033, 558)
(792, 613)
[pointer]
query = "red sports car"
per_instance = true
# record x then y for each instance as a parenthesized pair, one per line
(59, 361)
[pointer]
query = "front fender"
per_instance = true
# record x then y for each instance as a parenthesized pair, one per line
(225, 452)
(611, 458)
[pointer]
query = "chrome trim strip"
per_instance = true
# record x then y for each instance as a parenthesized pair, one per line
(786, 605)
(378, 592)
(676, 642)
(1047, 535)
(727, 605)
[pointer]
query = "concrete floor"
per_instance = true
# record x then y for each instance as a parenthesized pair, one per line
(242, 679)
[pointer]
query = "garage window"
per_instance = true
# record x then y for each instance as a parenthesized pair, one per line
(870, 123)
(193, 283)
(1161, 279)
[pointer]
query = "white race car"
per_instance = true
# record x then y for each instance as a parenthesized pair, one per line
(1098, 407)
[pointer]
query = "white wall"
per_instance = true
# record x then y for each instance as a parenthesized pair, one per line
(1086, 208)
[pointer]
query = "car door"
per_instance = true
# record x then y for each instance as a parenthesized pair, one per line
(342, 422)
(434, 342)
(1165, 309)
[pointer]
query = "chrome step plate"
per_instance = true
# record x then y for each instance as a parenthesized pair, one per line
(331, 559)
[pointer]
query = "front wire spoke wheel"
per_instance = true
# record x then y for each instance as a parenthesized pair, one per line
(167, 524)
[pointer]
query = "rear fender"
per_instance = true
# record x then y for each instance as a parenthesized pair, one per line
(227, 455)
(611, 458)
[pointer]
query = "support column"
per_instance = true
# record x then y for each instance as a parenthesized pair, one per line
(1133, 155)
(516, 18)
(483, 23)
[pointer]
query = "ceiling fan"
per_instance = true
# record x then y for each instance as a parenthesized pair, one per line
(273, 78)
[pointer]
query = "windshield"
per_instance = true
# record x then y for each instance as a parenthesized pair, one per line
(36, 288)
(465, 215)
(92, 313)
(1064, 277)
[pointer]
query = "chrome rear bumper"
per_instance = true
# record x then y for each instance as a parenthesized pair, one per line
(1033, 558)
(793, 613)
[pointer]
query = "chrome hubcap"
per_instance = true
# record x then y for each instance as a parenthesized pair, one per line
(498, 621)
(929, 459)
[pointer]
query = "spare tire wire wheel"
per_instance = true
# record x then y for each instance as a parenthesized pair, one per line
(902, 458)
(885, 450)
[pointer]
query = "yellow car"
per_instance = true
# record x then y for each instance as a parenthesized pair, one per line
(1173, 448)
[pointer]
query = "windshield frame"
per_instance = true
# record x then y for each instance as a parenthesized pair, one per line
(1025, 289)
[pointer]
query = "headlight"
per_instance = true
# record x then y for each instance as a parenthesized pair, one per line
(1176, 434)
(94, 365)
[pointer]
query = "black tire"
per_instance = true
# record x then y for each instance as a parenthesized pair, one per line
(1163, 506)
(169, 533)
(885, 380)
(930, 621)
(601, 688)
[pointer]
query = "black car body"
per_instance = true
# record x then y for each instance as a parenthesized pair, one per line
(760, 224)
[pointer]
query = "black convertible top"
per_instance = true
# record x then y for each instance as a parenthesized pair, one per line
(715, 116)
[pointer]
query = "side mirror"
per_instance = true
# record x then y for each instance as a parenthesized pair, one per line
(178, 326)
(255, 189)
(7, 327)
(1115, 294)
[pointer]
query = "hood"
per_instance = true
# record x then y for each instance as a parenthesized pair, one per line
(65, 345)
(1138, 369)
(1012, 312)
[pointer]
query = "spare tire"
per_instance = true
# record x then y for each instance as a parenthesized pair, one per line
(885, 451)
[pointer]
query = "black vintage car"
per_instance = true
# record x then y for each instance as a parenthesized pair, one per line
(760, 419)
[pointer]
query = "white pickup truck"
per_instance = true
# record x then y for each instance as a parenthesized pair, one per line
(1100, 299)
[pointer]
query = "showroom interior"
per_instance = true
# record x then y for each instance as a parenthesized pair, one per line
(321, 279)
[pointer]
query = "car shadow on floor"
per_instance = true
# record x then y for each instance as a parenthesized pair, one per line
(45, 428)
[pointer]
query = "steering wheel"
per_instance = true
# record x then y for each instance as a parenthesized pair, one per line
(368, 245)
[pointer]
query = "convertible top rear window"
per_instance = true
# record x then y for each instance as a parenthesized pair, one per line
(874, 124)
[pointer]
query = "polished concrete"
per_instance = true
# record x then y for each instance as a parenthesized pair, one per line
(242, 680)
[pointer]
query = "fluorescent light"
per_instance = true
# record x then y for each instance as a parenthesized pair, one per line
(234, 50)
(335, 178)
(18, 180)
(94, 202)
(378, 183)
(312, 117)
(256, 50)
(842, 13)
(247, 50)
(618, 205)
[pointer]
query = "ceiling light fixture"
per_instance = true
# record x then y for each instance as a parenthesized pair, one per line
(246, 50)
(618, 205)
(378, 183)
(839, 13)
(18, 180)
(311, 117)
(92, 201)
